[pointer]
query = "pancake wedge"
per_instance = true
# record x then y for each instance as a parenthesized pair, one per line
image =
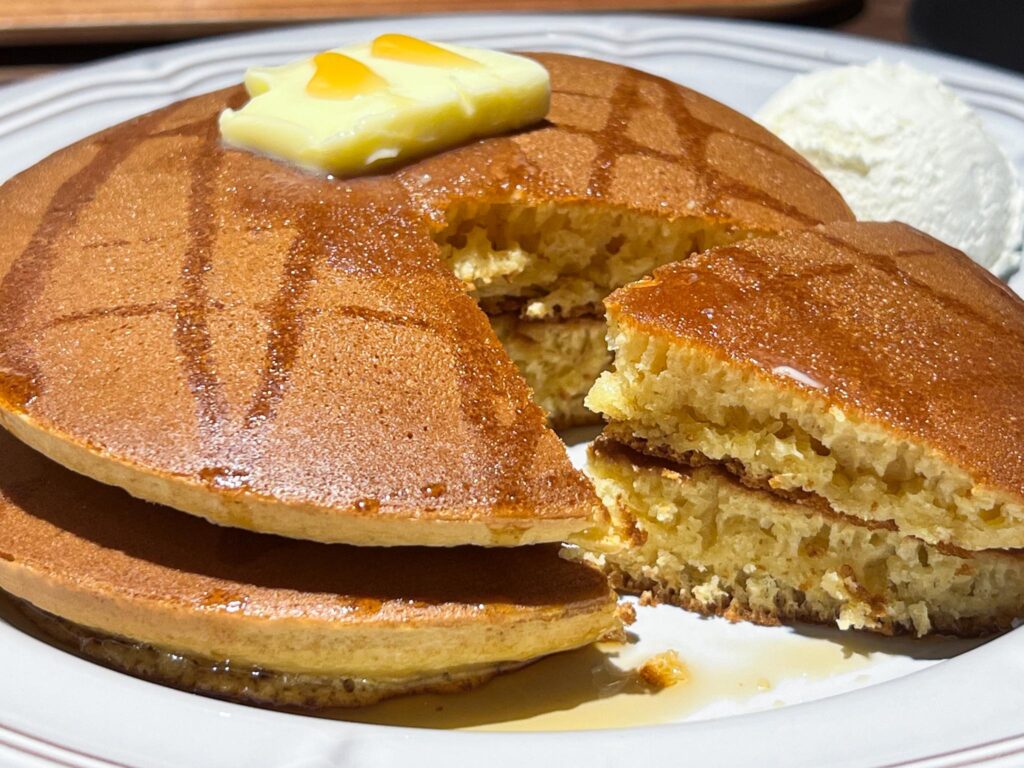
(863, 371)
(700, 538)
(224, 334)
(266, 619)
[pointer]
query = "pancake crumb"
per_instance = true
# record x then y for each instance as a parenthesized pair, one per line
(627, 613)
(663, 671)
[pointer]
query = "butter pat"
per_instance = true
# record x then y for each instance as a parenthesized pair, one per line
(357, 109)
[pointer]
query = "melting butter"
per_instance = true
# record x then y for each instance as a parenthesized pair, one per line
(357, 109)
(336, 76)
(412, 50)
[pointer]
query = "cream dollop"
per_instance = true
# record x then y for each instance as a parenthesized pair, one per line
(900, 145)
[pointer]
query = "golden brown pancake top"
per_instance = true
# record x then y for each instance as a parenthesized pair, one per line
(626, 139)
(891, 323)
(181, 318)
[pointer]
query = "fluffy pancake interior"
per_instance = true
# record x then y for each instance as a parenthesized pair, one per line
(560, 359)
(682, 398)
(560, 260)
(699, 538)
(550, 267)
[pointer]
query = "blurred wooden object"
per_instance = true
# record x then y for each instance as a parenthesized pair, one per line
(39, 36)
(63, 21)
(20, 72)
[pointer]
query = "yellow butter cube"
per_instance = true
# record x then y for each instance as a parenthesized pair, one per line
(357, 109)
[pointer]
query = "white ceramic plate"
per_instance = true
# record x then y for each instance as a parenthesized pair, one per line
(756, 696)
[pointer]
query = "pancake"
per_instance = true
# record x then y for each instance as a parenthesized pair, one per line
(864, 370)
(697, 536)
(273, 620)
(229, 336)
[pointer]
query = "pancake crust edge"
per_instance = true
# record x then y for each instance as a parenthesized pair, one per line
(179, 319)
(95, 557)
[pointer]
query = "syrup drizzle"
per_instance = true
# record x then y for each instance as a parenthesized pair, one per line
(286, 322)
(191, 329)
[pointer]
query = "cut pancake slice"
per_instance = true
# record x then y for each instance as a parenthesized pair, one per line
(866, 364)
(233, 337)
(856, 388)
(698, 537)
(260, 618)
(630, 173)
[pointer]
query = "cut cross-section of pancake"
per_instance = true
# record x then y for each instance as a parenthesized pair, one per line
(238, 339)
(630, 171)
(861, 379)
(261, 618)
(700, 538)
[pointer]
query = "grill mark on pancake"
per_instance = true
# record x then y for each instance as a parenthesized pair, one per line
(698, 132)
(124, 310)
(613, 142)
(508, 445)
(581, 94)
(614, 136)
(381, 316)
(311, 244)
(191, 327)
(201, 127)
(20, 377)
(118, 242)
(477, 394)
(887, 263)
(284, 339)
(321, 239)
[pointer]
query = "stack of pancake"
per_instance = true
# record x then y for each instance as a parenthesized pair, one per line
(821, 426)
(304, 361)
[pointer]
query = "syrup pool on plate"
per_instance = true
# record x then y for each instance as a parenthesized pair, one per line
(729, 669)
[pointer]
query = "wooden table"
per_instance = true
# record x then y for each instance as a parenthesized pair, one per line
(38, 36)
